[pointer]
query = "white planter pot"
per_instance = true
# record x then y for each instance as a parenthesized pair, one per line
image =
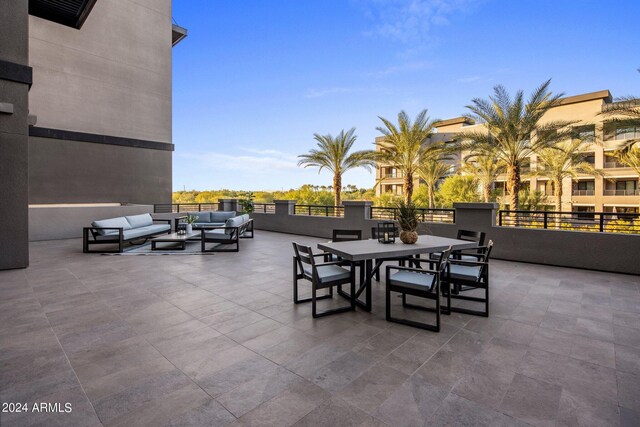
(189, 228)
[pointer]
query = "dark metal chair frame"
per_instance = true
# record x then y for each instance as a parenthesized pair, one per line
(457, 285)
(304, 254)
(117, 239)
(439, 271)
(233, 238)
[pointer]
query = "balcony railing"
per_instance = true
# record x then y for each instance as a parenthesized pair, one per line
(621, 192)
(614, 164)
(391, 175)
(603, 222)
(267, 208)
(447, 216)
(184, 207)
(583, 193)
(319, 210)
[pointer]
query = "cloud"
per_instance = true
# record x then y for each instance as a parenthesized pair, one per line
(263, 162)
(470, 79)
(319, 93)
(402, 68)
(410, 21)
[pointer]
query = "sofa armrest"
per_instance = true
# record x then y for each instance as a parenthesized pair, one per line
(168, 221)
(95, 229)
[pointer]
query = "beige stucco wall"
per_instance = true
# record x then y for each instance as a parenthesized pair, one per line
(111, 77)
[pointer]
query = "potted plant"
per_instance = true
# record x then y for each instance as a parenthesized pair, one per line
(408, 222)
(247, 202)
(190, 220)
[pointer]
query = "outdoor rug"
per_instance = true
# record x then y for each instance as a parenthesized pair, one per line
(145, 249)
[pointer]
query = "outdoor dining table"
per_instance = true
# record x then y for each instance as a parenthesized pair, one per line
(372, 249)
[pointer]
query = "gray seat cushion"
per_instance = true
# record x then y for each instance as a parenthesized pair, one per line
(328, 273)
(202, 217)
(134, 233)
(413, 280)
(221, 216)
(119, 222)
(236, 221)
(217, 235)
(465, 272)
(142, 220)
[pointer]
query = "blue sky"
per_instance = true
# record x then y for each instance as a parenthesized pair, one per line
(255, 79)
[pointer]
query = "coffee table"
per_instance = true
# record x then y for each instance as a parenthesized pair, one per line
(177, 241)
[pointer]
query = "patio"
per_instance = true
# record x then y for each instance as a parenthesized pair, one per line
(216, 340)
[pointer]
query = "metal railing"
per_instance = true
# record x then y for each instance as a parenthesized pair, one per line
(583, 192)
(267, 208)
(603, 222)
(447, 216)
(621, 192)
(615, 164)
(184, 207)
(319, 210)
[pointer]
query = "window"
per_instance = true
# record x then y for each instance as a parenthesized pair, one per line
(584, 212)
(629, 185)
(586, 133)
(619, 131)
(587, 158)
(586, 185)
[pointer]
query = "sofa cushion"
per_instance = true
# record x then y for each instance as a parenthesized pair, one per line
(221, 216)
(120, 222)
(236, 221)
(134, 233)
(218, 235)
(245, 218)
(202, 217)
(139, 220)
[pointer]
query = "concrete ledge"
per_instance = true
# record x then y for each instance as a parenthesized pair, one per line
(53, 222)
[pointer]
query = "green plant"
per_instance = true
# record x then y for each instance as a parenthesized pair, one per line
(408, 216)
(247, 202)
(191, 219)
(457, 188)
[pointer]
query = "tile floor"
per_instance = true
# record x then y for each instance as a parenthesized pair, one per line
(216, 340)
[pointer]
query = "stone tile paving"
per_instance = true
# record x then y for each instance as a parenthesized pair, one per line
(216, 340)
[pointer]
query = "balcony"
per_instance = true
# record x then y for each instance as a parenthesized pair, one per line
(583, 193)
(621, 192)
(614, 164)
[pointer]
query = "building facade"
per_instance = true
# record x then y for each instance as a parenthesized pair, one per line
(615, 191)
(86, 107)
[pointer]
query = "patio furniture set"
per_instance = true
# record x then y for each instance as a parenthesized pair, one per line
(214, 231)
(452, 269)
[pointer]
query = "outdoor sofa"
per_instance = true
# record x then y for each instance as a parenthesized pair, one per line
(226, 237)
(121, 230)
(206, 219)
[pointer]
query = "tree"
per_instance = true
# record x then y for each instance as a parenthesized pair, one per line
(404, 146)
(513, 130)
(333, 154)
(433, 169)
(486, 170)
(561, 161)
(458, 188)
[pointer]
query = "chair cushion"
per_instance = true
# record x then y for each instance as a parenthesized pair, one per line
(236, 221)
(120, 222)
(221, 216)
(413, 280)
(139, 220)
(465, 272)
(217, 235)
(245, 218)
(328, 273)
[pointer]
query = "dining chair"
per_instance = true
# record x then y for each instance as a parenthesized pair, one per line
(323, 275)
(421, 283)
(466, 275)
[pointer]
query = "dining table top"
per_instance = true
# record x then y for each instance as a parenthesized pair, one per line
(359, 250)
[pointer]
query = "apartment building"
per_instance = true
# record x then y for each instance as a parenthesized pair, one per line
(616, 191)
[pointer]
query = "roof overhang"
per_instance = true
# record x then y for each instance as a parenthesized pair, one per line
(177, 34)
(71, 13)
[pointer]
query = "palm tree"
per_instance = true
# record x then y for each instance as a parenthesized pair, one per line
(333, 154)
(404, 146)
(486, 170)
(513, 130)
(431, 170)
(563, 161)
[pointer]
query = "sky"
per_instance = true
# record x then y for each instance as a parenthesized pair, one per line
(255, 80)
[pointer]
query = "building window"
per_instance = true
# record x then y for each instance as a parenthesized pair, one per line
(584, 188)
(584, 212)
(612, 162)
(619, 131)
(587, 158)
(586, 133)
